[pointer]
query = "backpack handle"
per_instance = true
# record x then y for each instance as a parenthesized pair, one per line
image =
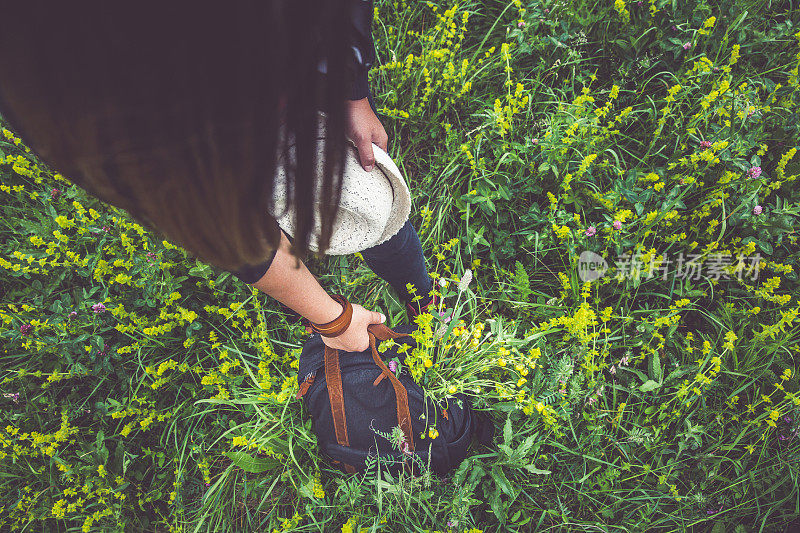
(382, 332)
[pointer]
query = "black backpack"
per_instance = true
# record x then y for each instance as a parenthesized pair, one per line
(354, 409)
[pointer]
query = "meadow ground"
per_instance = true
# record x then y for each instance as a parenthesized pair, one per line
(653, 390)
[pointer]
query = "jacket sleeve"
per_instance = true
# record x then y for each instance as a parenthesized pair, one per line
(252, 273)
(361, 46)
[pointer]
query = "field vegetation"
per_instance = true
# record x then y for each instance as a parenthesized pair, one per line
(143, 390)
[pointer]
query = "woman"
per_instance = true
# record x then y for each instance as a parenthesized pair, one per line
(172, 112)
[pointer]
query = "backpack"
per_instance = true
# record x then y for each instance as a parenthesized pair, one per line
(355, 401)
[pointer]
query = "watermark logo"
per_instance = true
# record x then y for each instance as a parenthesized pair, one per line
(591, 266)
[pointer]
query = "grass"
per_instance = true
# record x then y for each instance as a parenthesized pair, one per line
(530, 133)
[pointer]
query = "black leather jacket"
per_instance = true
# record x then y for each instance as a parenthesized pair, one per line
(363, 57)
(362, 46)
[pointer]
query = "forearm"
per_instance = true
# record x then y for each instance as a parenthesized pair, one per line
(297, 288)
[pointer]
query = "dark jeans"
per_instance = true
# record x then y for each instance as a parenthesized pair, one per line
(399, 261)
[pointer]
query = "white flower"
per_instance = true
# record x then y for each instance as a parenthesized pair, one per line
(466, 279)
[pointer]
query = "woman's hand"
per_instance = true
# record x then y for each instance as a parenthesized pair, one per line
(364, 128)
(355, 337)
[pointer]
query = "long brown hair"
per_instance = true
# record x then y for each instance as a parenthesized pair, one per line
(172, 110)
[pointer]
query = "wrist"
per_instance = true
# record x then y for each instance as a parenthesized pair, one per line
(358, 104)
(329, 310)
(338, 325)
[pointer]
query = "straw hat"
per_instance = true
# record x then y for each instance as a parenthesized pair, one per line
(372, 209)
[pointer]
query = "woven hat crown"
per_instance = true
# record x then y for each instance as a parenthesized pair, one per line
(373, 206)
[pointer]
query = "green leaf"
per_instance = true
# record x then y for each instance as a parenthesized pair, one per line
(505, 407)
(649, 385)
(254, 465)
(522, 283)
(506, 450)
(678, 372)
(502, 481)
(639, 373)
(655, 366)
(525, 447)
(497, 506)
(475, 475)
(307, 489)
(719, 527)
(200, 270)
(533, 470)
(507, 432)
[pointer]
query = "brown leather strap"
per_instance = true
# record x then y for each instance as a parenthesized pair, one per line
(304, 386)
(349, 468)
(333, 376)
(382, 332)
(414, 310)
(338, 325)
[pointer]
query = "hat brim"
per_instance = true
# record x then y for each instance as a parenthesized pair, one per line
(401, 204)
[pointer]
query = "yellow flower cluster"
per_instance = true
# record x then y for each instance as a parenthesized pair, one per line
(665, 111)
(475, 165)
(624, 14)
(734, 58)
(504, 113)
(689, 391)
(586, 124)
(41, 444)
(548, 414)
(702, 65)
(289, 524)
(579, 325)
(707, 26)
(145, 415)
(787, 320)
(319, 490)
(436, 72)
(780, 168)
(562, 232)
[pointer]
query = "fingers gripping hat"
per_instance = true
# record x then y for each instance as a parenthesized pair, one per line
(373, 205)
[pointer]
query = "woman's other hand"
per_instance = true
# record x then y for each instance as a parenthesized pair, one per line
(355, 337)
(364, 128)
